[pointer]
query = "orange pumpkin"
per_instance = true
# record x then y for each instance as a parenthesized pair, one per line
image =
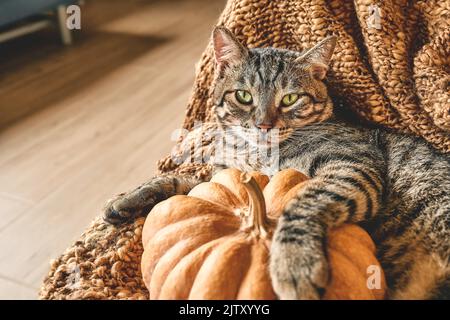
(214, 242)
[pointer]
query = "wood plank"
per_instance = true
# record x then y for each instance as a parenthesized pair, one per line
(11, 290)
(11, 207)
(106, 109)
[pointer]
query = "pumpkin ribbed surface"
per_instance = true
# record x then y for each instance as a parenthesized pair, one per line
(214, 242)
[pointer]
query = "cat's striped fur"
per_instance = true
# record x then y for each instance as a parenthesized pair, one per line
(395, 185)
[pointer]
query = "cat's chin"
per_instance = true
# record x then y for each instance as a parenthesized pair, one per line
(259, 138)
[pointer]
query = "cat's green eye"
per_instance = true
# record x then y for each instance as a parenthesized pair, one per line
(289, 99)
(244, 97)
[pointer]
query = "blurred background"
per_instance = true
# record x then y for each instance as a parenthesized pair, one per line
(85, 114)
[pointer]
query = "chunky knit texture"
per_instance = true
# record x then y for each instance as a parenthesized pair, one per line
(396, 76)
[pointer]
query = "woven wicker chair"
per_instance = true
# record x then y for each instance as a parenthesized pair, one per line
(394, 74)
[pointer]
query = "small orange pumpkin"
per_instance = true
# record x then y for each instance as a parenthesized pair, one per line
(214, 242)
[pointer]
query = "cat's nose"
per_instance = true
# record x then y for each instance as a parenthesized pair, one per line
(264, 126)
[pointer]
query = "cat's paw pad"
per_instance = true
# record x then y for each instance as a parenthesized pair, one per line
(298, 274)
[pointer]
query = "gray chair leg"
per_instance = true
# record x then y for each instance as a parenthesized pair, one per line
(66, 35)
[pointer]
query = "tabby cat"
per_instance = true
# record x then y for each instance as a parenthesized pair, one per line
(395, 185)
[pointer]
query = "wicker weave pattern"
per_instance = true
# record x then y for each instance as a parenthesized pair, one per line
(397, 76)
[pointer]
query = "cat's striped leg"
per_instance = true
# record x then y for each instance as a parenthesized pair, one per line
(138, 202)
(415, 251)
(340, 191)
(415, 238)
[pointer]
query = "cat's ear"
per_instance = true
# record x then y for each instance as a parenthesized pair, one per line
(318, 57)
(227, 49)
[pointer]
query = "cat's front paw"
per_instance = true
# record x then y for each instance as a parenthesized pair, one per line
(299, 270)
(127, 206)
(115, 211)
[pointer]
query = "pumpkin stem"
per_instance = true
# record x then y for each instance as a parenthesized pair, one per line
(257, 219)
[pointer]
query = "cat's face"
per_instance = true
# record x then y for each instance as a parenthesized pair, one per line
(270, 88)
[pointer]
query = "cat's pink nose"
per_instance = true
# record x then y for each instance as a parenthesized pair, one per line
(265, 126)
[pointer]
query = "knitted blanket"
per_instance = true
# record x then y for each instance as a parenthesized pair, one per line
(391, 67)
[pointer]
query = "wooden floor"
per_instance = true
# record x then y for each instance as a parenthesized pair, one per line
(99, 115)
